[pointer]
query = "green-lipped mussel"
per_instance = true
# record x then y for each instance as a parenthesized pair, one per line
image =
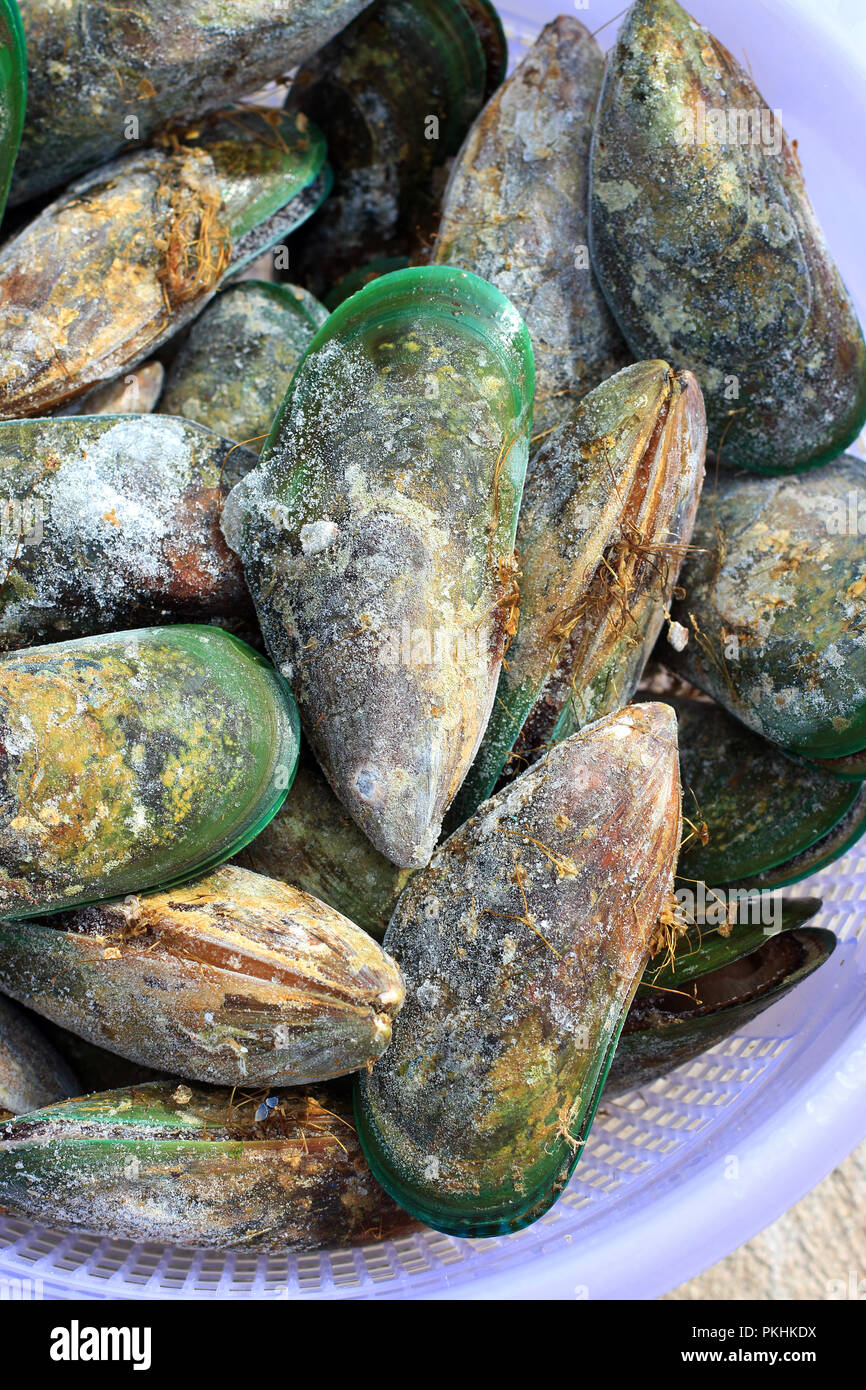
(234, 978)
(235, 367)
(113, 522)
(226, 1168)
(132, 252)
(514, 212)
(607, 513)
(313, 843)
(521, 944)
(730, 983)
(707, 248)
(134, 761)
(32, 1071)
(102, 76)
(774, 600)
(13, 92)
(395, 94)
(377, 537)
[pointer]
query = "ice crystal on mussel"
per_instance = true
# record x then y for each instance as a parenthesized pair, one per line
(13, 91)
(102, 75)
(680, 1012)
(178, 1163)
(114, 522)
(313, 843)
(32, 1071)
(705, 243)
(607, 513)
(235, 367)
(394, 93)
(134, 761)
(377, 538)
(775, 597)
(521, 944)
(234, 978)
(514, 212)
(131, 253)
(752, 808)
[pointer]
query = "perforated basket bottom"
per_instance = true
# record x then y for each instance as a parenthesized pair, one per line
(695, 1121)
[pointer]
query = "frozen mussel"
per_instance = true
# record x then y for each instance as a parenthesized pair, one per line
(234, 978)
(394, 93)
(607, 513)
(521, 944)
(707, 248)
(134, 761)
(234, 369)
(713, 987)
(514, 212)
(13, 91)
(313, 843)
(103, 75)
(377, 537)
(32, 1072)
(203, 1167)
(127, 256)
(775, 598)
(114, 523)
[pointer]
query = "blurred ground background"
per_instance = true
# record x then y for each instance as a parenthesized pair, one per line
(817, 1250)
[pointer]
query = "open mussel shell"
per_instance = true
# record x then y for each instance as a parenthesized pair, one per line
(521, 944)
(234, 979)
(394, 93)
(514, 212)
(774, 600)
(127, 256)
(608, 509)
(377, 537)
(135, 761)
(200, 1167)
(13, 91)
(752, 808)
(313, 843)
(32, 1072)
(234, 369)
(838, 841)
(707, 248)
(102, 76)
(114, 522)
(666, 1029)
(850, 769)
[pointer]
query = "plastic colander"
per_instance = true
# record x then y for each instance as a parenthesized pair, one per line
(678, 1174)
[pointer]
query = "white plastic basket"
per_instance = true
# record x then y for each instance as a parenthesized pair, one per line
(676, 1175)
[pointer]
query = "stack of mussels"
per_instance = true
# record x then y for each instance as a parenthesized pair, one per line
(460, 510)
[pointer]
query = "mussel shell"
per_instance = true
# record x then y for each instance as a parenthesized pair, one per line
(234, 978)
(514, 212)
(127, 256)
(708, 250)
(522, 943)
(838, 841)
(775, 597)
(170, 1162)
(13, 91)
(135, 761)
(664, 1031)
(377, 533)
(32, 1072)
(760, 808)
(234, 369)
(134, 393)
(118, 525)
(93, 67)
(373, 90)
(313, 843)
(608, 509)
